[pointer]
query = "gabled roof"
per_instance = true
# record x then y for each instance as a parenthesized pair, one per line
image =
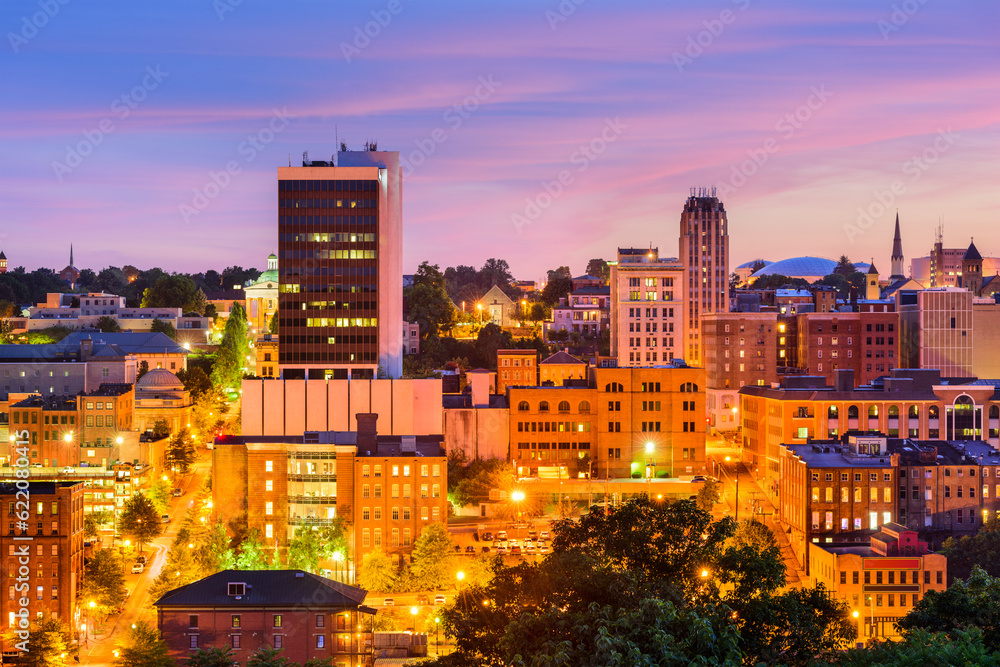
(266, 587)
(495, 294)
(110, 351)
(972, 252)
(562, 358)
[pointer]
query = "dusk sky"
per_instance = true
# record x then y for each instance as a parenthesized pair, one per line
(801, 113)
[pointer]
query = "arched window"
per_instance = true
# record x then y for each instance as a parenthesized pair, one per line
(964, 400)
(584, 407)
(832, 412)
(523, 406)
(689, 387)
(893, 412)
(873, 411)
(543, 406)
(932, 412)
(563, 406)
(852, 412)
(614, 388)
(914, 412)
(994, 412)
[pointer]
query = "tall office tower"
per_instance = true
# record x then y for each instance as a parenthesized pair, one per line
(647, 304)
(704, 250)
(340, 300)
(897, 256)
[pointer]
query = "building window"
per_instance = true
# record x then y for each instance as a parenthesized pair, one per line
(269, 507)
(193, 641)
(319, 641)
(277, 621)
(193, 621)
(279, 641)
(235, 641)
(235, 621)
(269, 530)
(320, 620)
(268, 466)
(269, 485)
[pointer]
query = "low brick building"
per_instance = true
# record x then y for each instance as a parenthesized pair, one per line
(305, 615)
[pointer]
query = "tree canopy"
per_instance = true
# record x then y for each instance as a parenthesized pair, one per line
(139, 519)
(175, 291)
(429, 305)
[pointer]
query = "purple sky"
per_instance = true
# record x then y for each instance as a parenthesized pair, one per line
(883, 88)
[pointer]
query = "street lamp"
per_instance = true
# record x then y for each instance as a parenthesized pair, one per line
(517, 497)
(737, 478)
(479, 306)
(650, 467)
(437, 636)
(460, 576)
(413, 612)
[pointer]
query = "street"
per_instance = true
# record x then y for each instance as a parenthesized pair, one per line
(99, 652)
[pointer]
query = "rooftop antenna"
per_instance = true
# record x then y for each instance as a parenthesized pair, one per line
(289, 159)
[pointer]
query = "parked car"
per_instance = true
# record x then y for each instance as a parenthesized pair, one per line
(388, 602)
(502, 550)
(501, 534)
(458, 549)
(137, 568)
(544, 535)
(470, 549)
(421, 599)
(698, 479)
(440, 599)
(486, 550)
(515, 550)
(529, 549)
(177, 493)
(532, 534)
(544, 549)
(141, 558)
(513, 542)
(165, 518)
(487, 536)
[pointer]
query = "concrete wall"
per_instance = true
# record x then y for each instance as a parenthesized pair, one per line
(290, 407)
(986, 340)
(479, 432)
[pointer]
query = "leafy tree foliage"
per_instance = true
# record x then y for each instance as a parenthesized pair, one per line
(180, 452)
(175, 291)
(972, 603)
(599, 269)
(195, 380)
(142, 647)
(777, 281)
(377, 572)
(558, 287)
(139, 519)
(708, 495)
(212, 657)
(845, 266)
(237, 275)
(428, 300)
(431, 566)
(269, 657)
(979, 550)
(921, 647)
(215, 554)
(159, 493)
(233, 352)
(50, 644)
(752, 533)
(311, 546)
(28, 288)
(164, 327)
(142, 370)
(161, 428)
(469, 482)
(107, 324)
(112, 280)
(465, 283)
(490, 339)
(255, 555)
(104, 582)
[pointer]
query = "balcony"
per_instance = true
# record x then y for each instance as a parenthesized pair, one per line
(309, 521)
(312, 500)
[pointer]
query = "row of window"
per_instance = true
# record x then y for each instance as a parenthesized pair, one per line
(650, 312)
(650, 341)
(366, 491)
(39, 508)
(367, 534)
(553, 427)
(873, 522)
(554, 445)
(39, 595)
(845, 494)
(434, 470)
(564, 406)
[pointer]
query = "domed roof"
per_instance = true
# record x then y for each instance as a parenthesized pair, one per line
(161, 379)
(747, 265)
(272, 256)
(796, 267)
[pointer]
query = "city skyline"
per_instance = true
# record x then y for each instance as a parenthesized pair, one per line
(631, 107)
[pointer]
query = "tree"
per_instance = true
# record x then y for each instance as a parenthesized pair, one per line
(754, 534)
(558, 287)
(104, 582)
(428, 300)
(161, 428)
(377, 572)
(310, 546)
(107, 324)
(195, 380)
(921, 647)
(159, 494)
(87, 280)
(845, 266)
(490, 339)
(140, 520)
(254, 555)
(231, 359)
(981, 549)
(269, 657)
(142, 647)
(708, 495)
(112, 280)
(175, 291)
(164, 327)
(212, 657)
(180, 452)
(50, 644)
(599, 269)
(972, 603)
(431, 565)
(214, 554)
(142, 370)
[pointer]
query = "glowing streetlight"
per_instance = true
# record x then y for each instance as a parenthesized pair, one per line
(119, 440)
(704, 574)
(413, 612)
(517, 496)
(460, 575)
(855, 613)
(649, 448)
(68, 437)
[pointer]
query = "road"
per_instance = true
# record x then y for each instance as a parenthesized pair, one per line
(99, 652)
(753, 502)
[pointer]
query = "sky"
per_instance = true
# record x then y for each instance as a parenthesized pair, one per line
(544, 133)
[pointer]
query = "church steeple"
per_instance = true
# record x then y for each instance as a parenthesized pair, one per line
(71, 254)
(872, 289)
(897, 255)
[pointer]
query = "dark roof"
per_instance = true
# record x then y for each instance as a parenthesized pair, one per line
(226, 295)
(872, 269)
(2, 256)
(604, 290)
(47, 402)
(131, 342)
(562, 358)
(972, 252)
(266, 587)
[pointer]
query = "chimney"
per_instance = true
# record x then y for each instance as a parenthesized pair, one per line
(480, 383)
(367, 430)
(86, 348)
(843, 379)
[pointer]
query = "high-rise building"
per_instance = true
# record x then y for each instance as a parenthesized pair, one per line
(936, 330)
(704, 251)
(647, 304)
(340, 303)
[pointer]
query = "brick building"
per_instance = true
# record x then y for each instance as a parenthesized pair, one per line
(867, 343)
(308, 616)
(50, 549)
(385, 487)
(882, 581)
(516, 368)
(648, 298)
(624, 422)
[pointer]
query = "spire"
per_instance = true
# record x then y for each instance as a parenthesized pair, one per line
(973, 252)
(897, 255)
(871, 268)
(71, 254)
